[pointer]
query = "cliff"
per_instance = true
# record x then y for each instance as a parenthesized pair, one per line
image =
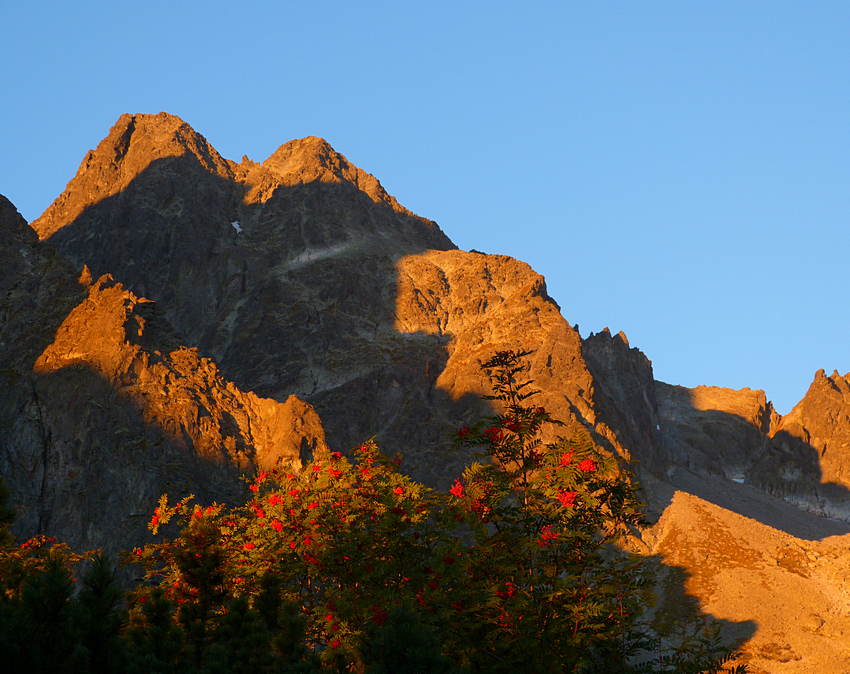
(808, 461)
(103, 411)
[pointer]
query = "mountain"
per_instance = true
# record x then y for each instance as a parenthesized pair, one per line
(802, 458)
(715, 430)
(175, 320)
(301, 275)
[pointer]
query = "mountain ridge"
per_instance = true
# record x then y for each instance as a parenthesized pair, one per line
(300, 282)
(136, 141)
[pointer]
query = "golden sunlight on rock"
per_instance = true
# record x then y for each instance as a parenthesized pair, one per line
(114, 334)
(750, 405)
(133, 144)
(791, 591)
(301, 279)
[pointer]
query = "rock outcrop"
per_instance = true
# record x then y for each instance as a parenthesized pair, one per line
(301, 279)
(301, 275)
(625, 395)
(803, 457)
(808, 461)
(715, 430)
(103, 410)
(215, 242)
(117, 336)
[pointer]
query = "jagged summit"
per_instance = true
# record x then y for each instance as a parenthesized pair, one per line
(136, 142)
(133, 144)
(313, 159)
(294, 300)
(808, 462)
(161, 211)
(102, 409)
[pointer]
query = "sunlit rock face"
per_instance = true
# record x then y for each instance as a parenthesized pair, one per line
(154, 205)
(118, 337)
(775, 576)
(300, 275)
(176, 320)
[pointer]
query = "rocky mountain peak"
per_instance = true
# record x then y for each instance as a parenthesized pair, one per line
(133, 144)
(139, 142)
(296, 288)
(161, 211)
(313, 159)
(808, 459)
(827, 392)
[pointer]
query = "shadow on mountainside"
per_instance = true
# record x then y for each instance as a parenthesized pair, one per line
(748, 501)
(80, 461)
(103, 468)
(675, 608)
(38, 288)
(301, 301)
(711, 441)
(725, 459)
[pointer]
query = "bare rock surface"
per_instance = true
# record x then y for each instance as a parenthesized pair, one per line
(626, 398)
(715, 430)
(178, 391)
(133, 144)
(785, 599)
(469, 306)
(155, 205)
(301, 275)
(103, 410)
(808, 461)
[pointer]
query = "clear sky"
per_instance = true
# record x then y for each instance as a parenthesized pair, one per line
(676, 170)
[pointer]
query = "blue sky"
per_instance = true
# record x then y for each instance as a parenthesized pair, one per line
(678, 171)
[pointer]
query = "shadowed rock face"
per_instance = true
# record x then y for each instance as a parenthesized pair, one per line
(301, 275)
(155, 206)
(301, 279)
(715, 430)
(626, 397)
(808, 461)
(803, 457)
(103, 411)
